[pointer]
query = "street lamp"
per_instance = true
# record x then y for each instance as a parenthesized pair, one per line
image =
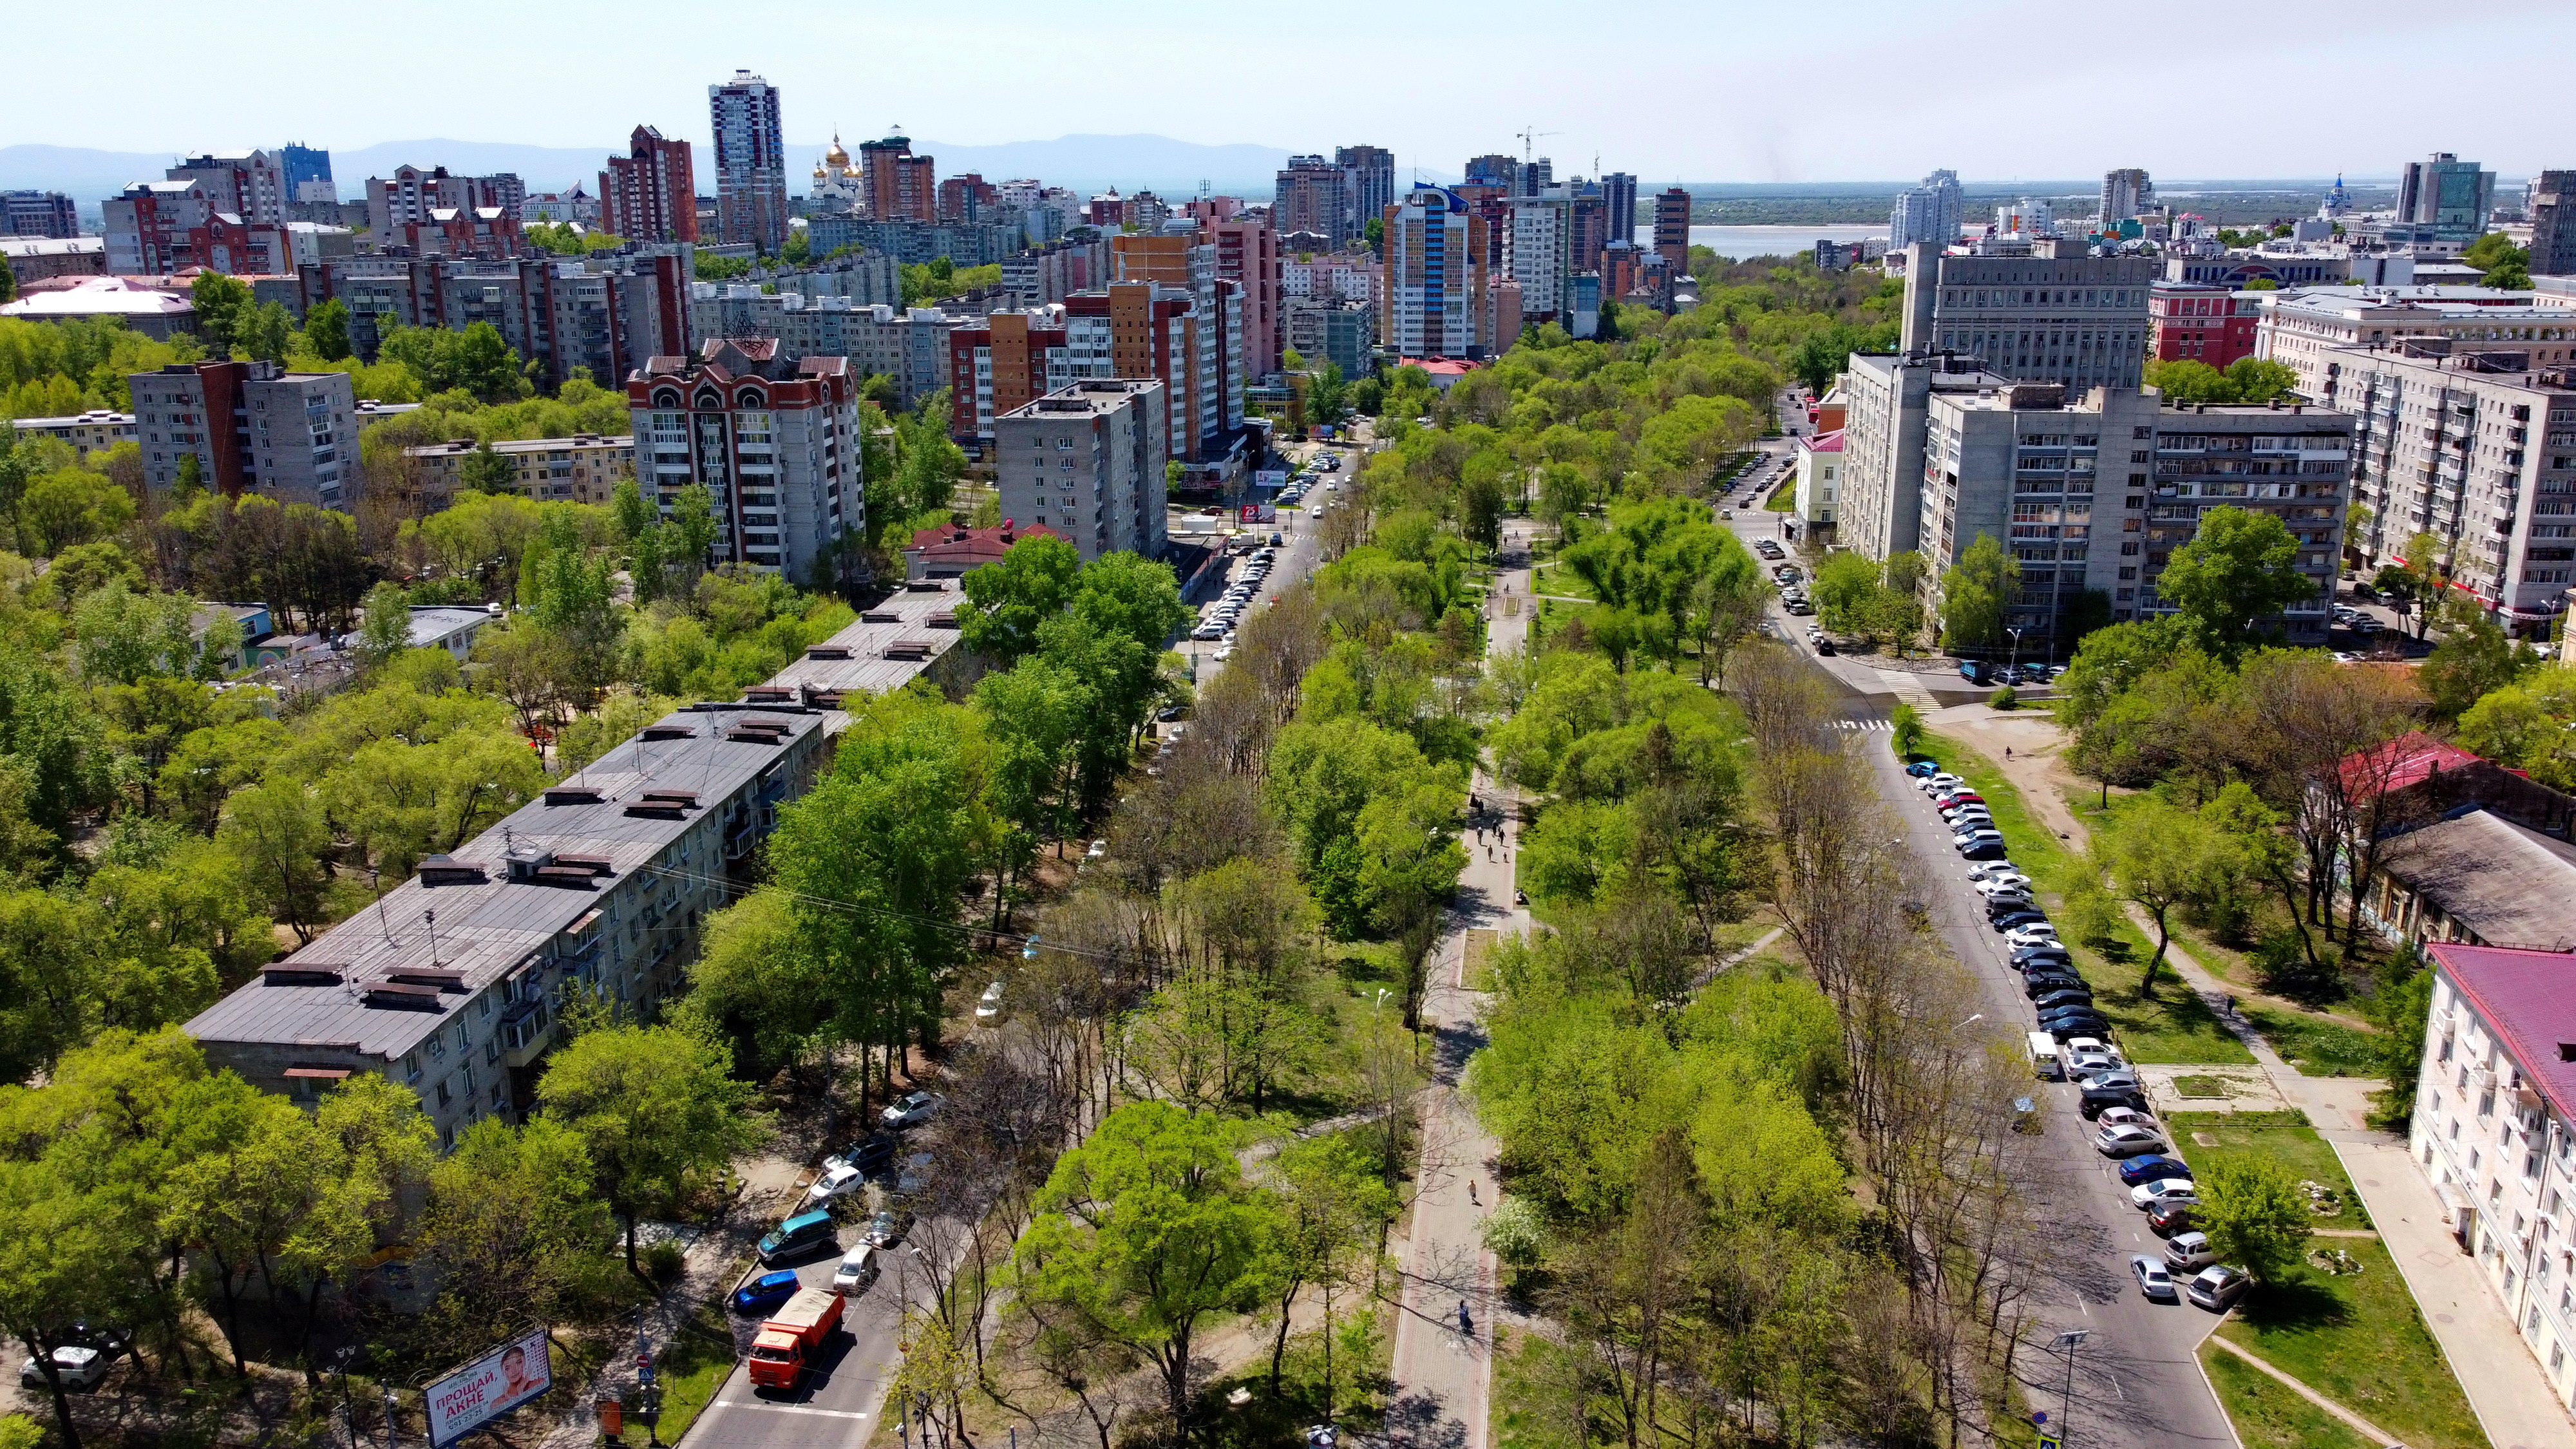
(2066, 1402)
(2015, 662)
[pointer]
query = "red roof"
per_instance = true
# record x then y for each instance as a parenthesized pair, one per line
(1439, 366)
(2526, 997)
(968, 548)
(2410, 759)
(1823, 442)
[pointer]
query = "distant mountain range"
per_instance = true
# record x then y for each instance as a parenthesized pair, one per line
(1083, 163)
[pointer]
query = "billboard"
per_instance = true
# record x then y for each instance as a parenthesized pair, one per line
(487, 1388)
(1260, 513)
(1270, 478)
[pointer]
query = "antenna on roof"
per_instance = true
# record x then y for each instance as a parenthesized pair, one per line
(430, 919)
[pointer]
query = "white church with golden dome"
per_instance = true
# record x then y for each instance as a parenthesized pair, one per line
(838, 186)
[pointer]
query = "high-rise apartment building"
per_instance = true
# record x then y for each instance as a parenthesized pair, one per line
(307, 173)
(1495, 170)
(648, 194)
(1927, 213)
(156, 228)
(1310, 198)
(751, 162)
(900, 185)
(2093, 496)
(2078, 320)
(2126, 195)
(606, 314)
(38, 213)
(967, 199)
(1886, 398)
(1537, 176)
(1368, 185)
(253, 427)
(1435, 277)
(1540, 254)
(773, 439)
(248, 184)
(414, 194)
(1619, 206)
(1002, 364)
(1205, 369)
(1247, 252)
(2448, 195)
(2467, 441)
(2201, 322)
(1587, 224)
(1087, 462)
(2552, 204)
(1672, 228)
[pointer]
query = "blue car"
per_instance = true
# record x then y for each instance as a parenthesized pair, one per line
(2152, 1168)
(765, 1292)
(1923, 769)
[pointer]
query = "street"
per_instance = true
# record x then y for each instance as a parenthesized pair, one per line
(2136, 1380)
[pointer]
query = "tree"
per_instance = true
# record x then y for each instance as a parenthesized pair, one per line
(265, 331)
(656, 1109)
(386, 630)
(2474, 659)
(2400, 1007)
(279, 833)
(1975, 592)
(1144, 1232)
(1007, 601)
(2154, 856)
(326, 330)
(2240, 567)
(1329, 1199)
(1906, 724)
(219, 301)
(2255, 1213)
(485, 471)
(513, 1227)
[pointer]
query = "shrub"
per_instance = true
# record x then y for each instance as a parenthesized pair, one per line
(2004, 698)
(1907, 723)
(1514, 1232)
(664, 1262)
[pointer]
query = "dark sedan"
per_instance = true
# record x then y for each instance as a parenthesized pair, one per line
(2064, 996)
(2039, 983)
(765, 1292)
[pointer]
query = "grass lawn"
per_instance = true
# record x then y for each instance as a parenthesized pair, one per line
(2358, 1340)
(2266, 1414)
(2201, 1086)
(1784, 497)
(2284, 1137)
(2170, 1026)
(2318, 1048)
(1564, 582)
(693, 1365)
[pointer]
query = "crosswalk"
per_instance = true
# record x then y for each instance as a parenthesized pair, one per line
(1865, 724)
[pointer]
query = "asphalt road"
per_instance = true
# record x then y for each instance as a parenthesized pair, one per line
(2136, 1380)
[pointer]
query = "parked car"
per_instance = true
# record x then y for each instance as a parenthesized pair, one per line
(2172, 1217)
(2125, 1117)
(2217, 1288)
(2152, 1278)
(2012, 923)
(78, 1365)
(2151, 1169)
(2126, 1141)
(1984, 850)
(2122, 1078)
(797, 1236)
(2063, 996)
(2163, 1190)
(887, 1228)
(869, 1156)
(835, 1182)
(2041, 984)
(1923, 769)
(988, 1007)
(2188, 1252)
(2094, 1101)
(2034, 933)
(915, 1109)
(858, 1269)
(765, 1292)
(2075, 1023)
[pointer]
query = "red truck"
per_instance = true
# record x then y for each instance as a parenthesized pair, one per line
(793, 1336)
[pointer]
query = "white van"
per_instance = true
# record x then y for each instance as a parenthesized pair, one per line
(2045, 1063)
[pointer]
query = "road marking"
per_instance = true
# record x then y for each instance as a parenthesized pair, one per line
(790, 1409)
(1865, 724)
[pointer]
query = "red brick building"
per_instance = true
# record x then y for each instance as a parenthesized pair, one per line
(774, 441)
(480, 234)
(1013, 359)
(2199, 322)
(947, 553)
(1247, 252)
(966, 198)
(649, 194)
(901, 186)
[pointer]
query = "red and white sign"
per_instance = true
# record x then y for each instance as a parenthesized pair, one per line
(489, 1387)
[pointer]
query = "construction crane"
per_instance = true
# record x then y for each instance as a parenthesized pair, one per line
(1529, 139)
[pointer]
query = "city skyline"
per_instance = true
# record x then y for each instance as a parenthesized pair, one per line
(1774, 125)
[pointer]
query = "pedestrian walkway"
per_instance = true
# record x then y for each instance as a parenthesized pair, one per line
(2504, 1383)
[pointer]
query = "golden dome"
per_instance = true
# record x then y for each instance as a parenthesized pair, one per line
(836, 157)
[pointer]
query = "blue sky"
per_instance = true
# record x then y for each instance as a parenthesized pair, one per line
(1858, 89)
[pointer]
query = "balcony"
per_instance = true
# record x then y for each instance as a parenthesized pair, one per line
(525, 1033)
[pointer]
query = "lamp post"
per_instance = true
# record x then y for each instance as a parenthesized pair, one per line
(2066, 1402)
(2015, 662)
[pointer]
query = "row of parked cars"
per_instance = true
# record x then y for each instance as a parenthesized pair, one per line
(813, 1228)
(1220, 621)
(2073, 1042)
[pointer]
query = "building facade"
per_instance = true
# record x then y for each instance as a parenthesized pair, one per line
(155, 228)
(2552, 206)
(2308, 328)
(1368, 185)
(900, 186)
(2076, 320)
(1672, 228)
(2478, 449)
(38, 213)
(1004, 364)
(413, 194)
(2127, 194)
(1817, 496)
(1435, 278)
(2447, 194)
(584, 468)
(1928, 213)
(650, 194)
(1087, 462)
(1887, 397)
(1247, 254)
(253, 427)
(1309, 198)
(97, 428)
(2494, 1132)
(610, 312)
(773, 439)
(250, 185)
(2190, 322)
(909, 345)
(750, 161)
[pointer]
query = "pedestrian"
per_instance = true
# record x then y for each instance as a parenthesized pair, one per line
(1466, 1325)
(1471, 1193)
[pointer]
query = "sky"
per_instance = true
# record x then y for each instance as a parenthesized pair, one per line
(1713, 91)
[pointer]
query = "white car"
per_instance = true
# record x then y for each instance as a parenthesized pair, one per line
(988, 1007)
(2163, 1190)
(1208, 631)
(2124, 1117)
(913, 1110)
(835, 1182)
(2152, 1278)
(1941, 784)
(858, 1269)
(1224, 651)
(78, 1366)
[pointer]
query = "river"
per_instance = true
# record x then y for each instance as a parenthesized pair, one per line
(1735, 243)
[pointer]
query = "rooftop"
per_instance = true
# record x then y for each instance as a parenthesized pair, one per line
(1821, 442)
(955, 550)
(2510, 885)
(95, 296)
(51, 246)
(330, 994)
(101, 417)
(887, 648)
(2524, 995)
(454, 447)
(2410, 759)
